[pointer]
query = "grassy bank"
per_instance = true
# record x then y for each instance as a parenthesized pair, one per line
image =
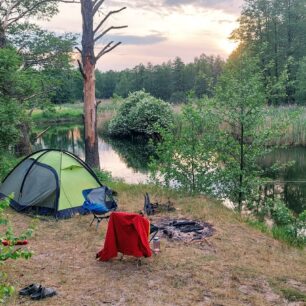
(238, 265)
(62, 113)
(72, 112)
(295, 134)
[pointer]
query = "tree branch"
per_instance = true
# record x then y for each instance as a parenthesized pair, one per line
(97, 5)
(82, 70)
(107, 49)
(108, 45)
(106, 17)
(28, 11)
(107, 30)
(77, 48)
(33, 7)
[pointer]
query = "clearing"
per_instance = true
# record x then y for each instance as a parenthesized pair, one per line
(237, 265)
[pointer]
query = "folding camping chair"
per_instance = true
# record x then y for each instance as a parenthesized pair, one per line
(148, 210)
(99, 201)
(127, 233)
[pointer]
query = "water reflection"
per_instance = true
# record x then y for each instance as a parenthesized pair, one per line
(65, 137)
(291, 181)
(125, 160)
(128, 160)
(136, 154)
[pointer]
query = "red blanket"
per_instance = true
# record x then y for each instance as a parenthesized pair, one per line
(128, 234)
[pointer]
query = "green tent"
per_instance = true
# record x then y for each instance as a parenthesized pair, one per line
(49, 182)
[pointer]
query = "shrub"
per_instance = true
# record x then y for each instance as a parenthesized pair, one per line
(281, 214)
(288, 227)
(185, 158)
(140, 114)
(10, 251)
(103, 175)
(7, 162)
(287, 233)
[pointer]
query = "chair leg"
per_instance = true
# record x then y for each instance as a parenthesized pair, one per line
(92, 221)
(153, 236)
(98, 222)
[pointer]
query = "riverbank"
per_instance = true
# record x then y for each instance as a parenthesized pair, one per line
(238, 265)
(61, 113)
(294, 135)
(73, 112)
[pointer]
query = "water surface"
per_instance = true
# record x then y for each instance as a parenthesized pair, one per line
(128, 161)
(124, 160)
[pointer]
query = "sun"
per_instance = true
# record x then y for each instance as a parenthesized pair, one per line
(228, 46)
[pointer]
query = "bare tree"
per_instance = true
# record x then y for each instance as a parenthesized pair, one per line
(90, 36)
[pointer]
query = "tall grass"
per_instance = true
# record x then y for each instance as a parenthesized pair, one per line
(65, 112)
(295, 133)
(73, 111)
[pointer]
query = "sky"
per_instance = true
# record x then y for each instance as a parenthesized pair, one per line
(158, 30)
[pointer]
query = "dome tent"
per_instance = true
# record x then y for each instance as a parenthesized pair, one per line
(49, 182)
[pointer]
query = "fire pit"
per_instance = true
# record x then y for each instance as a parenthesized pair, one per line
(184, 229)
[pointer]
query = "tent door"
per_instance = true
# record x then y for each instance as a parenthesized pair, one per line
(41, 188)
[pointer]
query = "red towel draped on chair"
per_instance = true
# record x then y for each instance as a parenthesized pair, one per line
(128, 234)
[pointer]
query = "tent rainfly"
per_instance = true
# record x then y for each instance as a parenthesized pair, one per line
(49, 182)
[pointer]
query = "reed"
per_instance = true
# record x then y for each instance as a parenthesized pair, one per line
(295, 132)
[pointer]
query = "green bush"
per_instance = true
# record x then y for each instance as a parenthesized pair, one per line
(7, 162)
(185, 159)
(140, 114)
(103, 175)
(288, 233)
(9, 251)
(281, 214)
(287, 226)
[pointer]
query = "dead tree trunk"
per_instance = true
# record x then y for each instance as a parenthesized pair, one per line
(90, 36)
(88, 60)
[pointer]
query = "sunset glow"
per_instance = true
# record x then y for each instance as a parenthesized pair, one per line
(159, 31)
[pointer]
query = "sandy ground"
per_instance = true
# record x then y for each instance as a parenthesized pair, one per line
(238, 265)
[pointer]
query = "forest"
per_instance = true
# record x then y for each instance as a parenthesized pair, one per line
(272, 30)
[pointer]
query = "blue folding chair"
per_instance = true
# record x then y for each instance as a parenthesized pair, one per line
(99, 201)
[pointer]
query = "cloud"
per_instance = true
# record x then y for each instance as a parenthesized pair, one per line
(233, 6)
(137, 40)
(165, 6)
(225, 21)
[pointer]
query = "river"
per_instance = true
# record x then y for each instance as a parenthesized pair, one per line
(123, 159)
(128, 161)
